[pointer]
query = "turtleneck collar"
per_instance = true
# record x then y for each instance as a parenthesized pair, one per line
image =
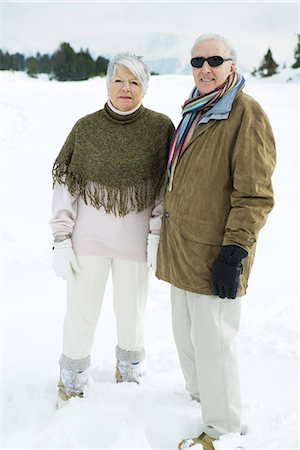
(122, 113)
(122, 119)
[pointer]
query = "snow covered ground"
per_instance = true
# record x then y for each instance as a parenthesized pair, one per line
(37, 116)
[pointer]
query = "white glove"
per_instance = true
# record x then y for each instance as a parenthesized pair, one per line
(152, 247)
(64, 259)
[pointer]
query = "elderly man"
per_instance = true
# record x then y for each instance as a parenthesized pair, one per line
(218, 197)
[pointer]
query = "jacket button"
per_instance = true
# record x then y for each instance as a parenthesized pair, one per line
(167, 214)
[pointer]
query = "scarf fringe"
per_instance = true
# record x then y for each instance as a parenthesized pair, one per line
(119, 201)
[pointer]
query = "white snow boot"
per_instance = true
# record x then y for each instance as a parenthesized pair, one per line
(73, 379)
(129, 366)
(128, 372)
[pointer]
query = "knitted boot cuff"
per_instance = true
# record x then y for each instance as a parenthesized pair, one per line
(129, 356)
(76, 365)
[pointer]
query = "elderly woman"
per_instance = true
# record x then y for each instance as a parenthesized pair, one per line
(107, 197)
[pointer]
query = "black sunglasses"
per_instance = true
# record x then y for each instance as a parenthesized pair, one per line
(213, 61)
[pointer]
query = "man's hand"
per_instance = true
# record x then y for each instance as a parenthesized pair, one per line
(226, 271)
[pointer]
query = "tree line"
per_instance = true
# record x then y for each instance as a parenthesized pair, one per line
(63, 65)
(67, 65)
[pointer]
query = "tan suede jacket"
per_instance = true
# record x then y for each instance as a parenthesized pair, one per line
(222, 194)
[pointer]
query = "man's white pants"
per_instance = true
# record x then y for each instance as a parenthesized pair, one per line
(204, 329)
(85, 293)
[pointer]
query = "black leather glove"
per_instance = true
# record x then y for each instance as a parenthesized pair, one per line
(226, 271)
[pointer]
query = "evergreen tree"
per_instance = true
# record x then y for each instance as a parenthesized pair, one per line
(101, 66)
(18, 61)
(32, 66)
(85, 65)
(296, 64)
(64, 63)
(268, 66)
(4, 62)
(45, 64)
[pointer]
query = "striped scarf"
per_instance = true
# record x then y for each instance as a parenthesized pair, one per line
(192, 111)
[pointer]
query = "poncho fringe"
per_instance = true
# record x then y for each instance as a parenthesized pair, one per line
(114, 200)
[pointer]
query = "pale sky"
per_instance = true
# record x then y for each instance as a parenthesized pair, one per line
(153, 29)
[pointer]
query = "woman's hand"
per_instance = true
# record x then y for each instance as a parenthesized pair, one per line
(64, 260)
(152, 246)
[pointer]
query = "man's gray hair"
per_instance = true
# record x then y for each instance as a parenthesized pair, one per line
(133, 63)
(216, 37)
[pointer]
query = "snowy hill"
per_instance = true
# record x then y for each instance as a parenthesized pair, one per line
(37, 116)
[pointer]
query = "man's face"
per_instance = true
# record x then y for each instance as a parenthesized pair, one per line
(207, 78)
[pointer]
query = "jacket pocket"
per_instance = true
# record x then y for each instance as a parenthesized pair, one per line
(211, 233)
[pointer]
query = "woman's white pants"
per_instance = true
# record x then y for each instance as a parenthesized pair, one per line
(85, 293)
(205, 328)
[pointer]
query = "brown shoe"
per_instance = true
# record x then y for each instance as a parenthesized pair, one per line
(205, 440)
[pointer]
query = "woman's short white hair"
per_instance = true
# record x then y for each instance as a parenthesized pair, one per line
(133, 63)
(216, 37)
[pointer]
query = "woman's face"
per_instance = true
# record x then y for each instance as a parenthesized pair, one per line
(207, 78)
(125, 89)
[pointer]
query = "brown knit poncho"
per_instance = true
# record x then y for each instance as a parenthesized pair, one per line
(116, 162)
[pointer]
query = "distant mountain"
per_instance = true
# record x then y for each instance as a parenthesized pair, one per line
(164, 66)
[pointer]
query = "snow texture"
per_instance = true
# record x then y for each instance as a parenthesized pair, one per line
(37, 116)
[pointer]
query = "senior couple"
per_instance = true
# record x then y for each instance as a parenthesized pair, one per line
(129, 191)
